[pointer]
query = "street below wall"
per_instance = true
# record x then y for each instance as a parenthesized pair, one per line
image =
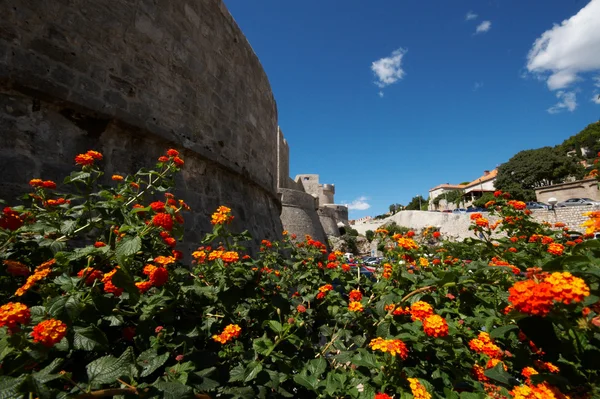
(456, 226)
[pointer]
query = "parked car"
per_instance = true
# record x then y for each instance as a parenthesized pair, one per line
(577, 202)
(475, 209)
(459, 210)
(536, 205)
(446, 211)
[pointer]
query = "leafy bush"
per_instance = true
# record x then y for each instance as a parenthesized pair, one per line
(369, 234)
(97, 303)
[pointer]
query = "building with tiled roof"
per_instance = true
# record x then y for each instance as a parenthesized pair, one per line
(471, 191)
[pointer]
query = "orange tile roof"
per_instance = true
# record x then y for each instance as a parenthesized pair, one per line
(492, 175)
(451, 186)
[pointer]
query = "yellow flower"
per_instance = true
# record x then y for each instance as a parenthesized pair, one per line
(418, 390)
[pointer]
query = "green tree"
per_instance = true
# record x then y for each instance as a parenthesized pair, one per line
(369, 234)
(416, 203)
(393, 209)
(454, 197)
(480, 203)
(531, 169)
(588, 141)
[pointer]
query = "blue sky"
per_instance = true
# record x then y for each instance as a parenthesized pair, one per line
(386, 99)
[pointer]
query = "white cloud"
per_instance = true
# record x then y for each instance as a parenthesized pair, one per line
(380, 93)
(389, 69)
(359, 204)
(596, 98)
(597, 81)
(566, 101)
(470, 15)
(483, 27)
(568, 49)
(477, 86)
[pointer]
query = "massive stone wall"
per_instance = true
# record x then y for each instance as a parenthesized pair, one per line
(130, 79)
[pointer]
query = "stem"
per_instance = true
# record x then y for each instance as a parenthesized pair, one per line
(150, 183)
(417, 291)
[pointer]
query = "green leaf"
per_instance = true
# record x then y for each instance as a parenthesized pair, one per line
(498, 373)
(107, 369)
(9, 387)
(5, 348)
(309, 382)
(317, 366)
(174, 390)
(150, 361)
(501, 331)
(123, 280)
(45, 374)
(252, 371)
(236, 373)
(275, 326)
(590, 300)
(262, 345)
(76, 176)
(472, 395)
(589, 244)
(127, 247)
(89, 338)
(68, 227)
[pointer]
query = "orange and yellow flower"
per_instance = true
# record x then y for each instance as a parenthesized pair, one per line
(14, 313)
(418, 390)
(49, 332)
(40, 272)
(229, 333)
(420, 311)
(355, 306)
(392, 346)
(221, 216)
(555, 249)
(435, 326)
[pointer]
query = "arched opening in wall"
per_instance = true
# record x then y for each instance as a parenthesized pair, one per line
(342, 230)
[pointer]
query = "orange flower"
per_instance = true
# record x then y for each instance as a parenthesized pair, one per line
(172, 153)
(84, 160)
(381, 395)
(40, 272)
(478, 373)
(230, 256)
(406, 243)
(95, 155)
(143, 286)
(229, 333)
(482, 222)
(555, 249)
(490, 203)
(355, 306)
(527, 372)
(418, 390)
(16, 268)
(567, 288)
(14, 313)
(159, 276)
(592, 225)
(475, 216)
(163, 220)
(540, 391)
(49, 332)
(355, 295)
(484, 344)
(392, 346)
(559, 224)
(117, 177)
(531, 297)
(109, 287)
(387, 271)
(518, 205)
(164, 260)
(420, 310)
(221, 216)
(200, 256)
(435, 326)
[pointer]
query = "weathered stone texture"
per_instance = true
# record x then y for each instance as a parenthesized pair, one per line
(130, 79)
(299, 214)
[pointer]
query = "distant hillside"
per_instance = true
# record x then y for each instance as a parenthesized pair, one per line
(588, 139)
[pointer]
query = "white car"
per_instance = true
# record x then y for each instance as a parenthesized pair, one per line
(459, 210)
(577, 202)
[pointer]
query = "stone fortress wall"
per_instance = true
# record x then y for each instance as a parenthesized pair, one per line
(131, 79)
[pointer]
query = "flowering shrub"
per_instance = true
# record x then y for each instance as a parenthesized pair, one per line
(97, 302)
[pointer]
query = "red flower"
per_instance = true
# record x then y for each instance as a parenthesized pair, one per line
(163, 220)
(355, 296)
(158, 206)
(90, 275)
(99, 244)
(172, 153)
(10, 220)
(497, 193)
(128, 333)
(178, 161)
(301, 308)
(436, 234)
(177, 254)
(159, 276)
(163, 159)
(14, 313)
(143, 286)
